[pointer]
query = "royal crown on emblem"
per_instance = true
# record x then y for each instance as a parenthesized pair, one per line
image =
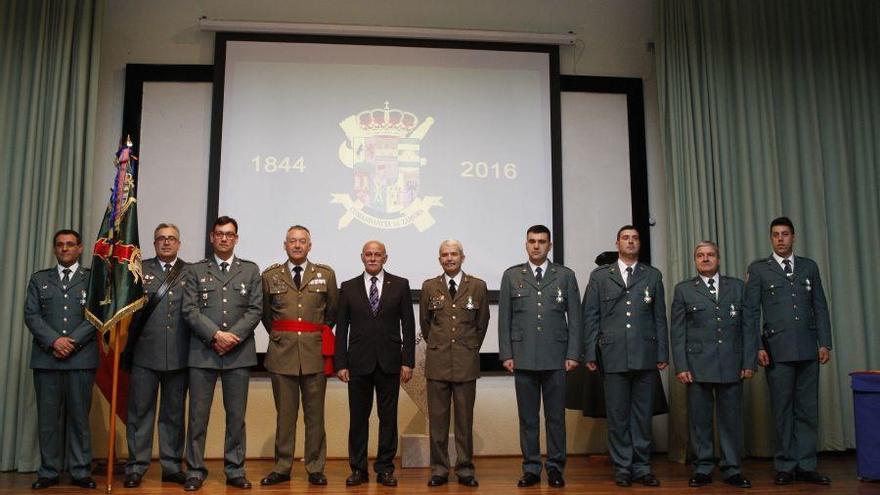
(387, 122)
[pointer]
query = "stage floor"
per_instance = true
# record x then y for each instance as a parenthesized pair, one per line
(497, 475)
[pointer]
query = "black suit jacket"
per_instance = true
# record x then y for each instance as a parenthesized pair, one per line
(387, 340)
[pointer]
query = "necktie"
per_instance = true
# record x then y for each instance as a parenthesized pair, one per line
(452, 289)
(374, 296)
(167, 267)
(224, 267)
(297, 278)
(538, 275)
(787, 268)
(66, 278)
(712, 290)
(629, 272)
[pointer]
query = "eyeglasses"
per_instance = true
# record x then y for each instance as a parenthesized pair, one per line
(224, 235)
(165, 238)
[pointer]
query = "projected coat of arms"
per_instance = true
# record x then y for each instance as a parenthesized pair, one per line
(382, 147)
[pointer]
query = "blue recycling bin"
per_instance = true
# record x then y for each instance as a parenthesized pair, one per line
(866, 409)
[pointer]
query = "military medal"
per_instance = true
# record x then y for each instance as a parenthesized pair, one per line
(559, 297)
(648, 297)
(470, 303)
(809, 287)
(205, 296)
(733, 311)
(319, 275)
(82, 298)
(243, 290)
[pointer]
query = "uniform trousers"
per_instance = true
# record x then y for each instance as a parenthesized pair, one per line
(629, 401)
(531, 386)
(144, 387)
(461, 396)
(64, 398)
(201, 395)
(794, 398)
(705, 401)
(360, 405)
(287, 390)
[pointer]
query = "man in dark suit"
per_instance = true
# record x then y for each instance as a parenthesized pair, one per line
(454, 316)
(222, 303)
(159, 351)
(375, 350)
(539, 339)
(625, 313)
(796, 339)
(712, 357)
(64, 356)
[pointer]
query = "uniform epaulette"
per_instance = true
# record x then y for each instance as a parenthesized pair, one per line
(46, 270)
(471, 277)
(518, 265)
(757, 261)
(272, 267)
(604, 267)
(203, 260)
(241, 260)
(322, 265)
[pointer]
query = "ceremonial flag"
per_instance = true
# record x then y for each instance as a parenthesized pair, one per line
(116, 288)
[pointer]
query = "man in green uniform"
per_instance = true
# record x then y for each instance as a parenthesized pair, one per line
(539, 339)
(625, 314)
(222, 303)
(299, 310)
(795, 340)
(454, 316)
(64, 356)
(712, 356)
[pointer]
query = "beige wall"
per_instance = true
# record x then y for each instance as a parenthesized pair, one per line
(614, 35)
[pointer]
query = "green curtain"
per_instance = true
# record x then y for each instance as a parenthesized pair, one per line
(772, 108)
(49, 52)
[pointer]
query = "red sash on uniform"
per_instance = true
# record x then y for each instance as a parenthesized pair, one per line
(328, 341)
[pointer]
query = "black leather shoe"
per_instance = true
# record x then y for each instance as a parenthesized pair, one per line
(783, 478)
(192, 484)
(438, 480)
(469, 481)
(317, 479)
(178, 477)
(648, 480)
(555, 479)
(274, 478)
(132, 480)
(738, 481)
(528, 479)
(623, 480)
(386, 479)
(44, 483)
(86, 482)
(699, 479)
(812, 477)
(357, 477)
(239, 482)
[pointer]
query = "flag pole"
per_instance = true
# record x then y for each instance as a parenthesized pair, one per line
(111, 441)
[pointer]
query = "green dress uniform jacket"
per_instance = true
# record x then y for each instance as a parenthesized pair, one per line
(627, 321)
(539, 324)
(796, 318)
(453, 328)
(708, 337)
(316, 301)
(52, 311)
(163, 341)
(231, 302)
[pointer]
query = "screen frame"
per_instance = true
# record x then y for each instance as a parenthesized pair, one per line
(137, 74)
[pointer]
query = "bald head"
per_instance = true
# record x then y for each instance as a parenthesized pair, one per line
(373, 256)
